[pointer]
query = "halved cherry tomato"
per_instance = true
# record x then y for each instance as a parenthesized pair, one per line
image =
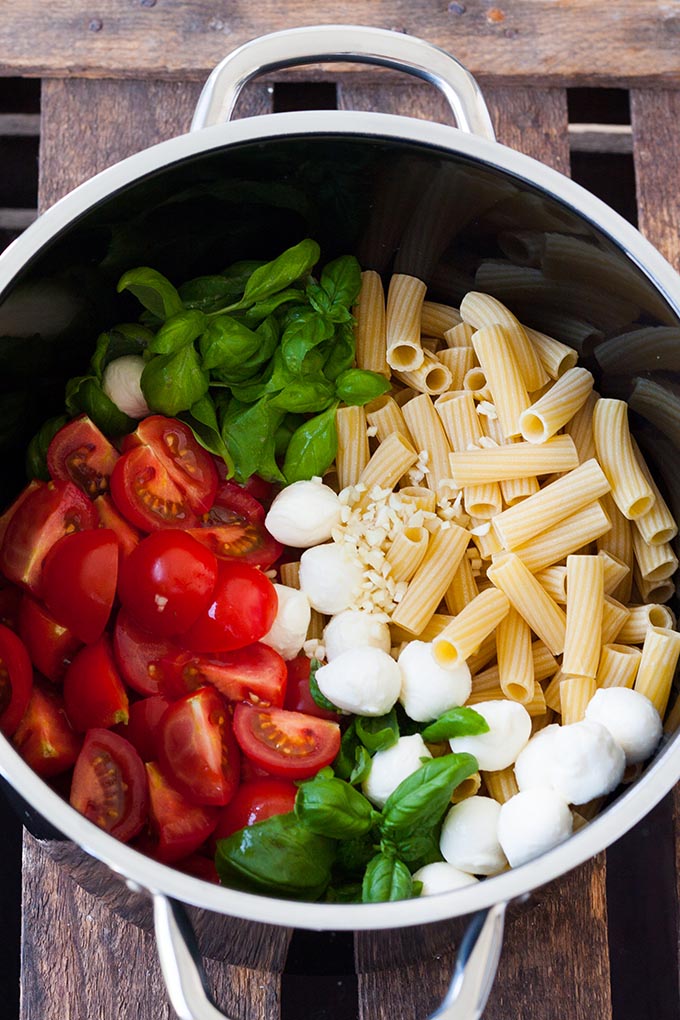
(50, 645)
(16, 680)
(234, 528)
(239, 501)
(44, 737)
(109, 784)
(93, 690)
(178, 827)
(80, 453)
(128, 537)
(167, 581)
(298, 695)
(12, 509)
(197, 750)
(242, 610)
(79, 581)
(189, 466)
(146, 495)
(255, 673)
(49, 512)
(253, 802)
(10, 600)
(289, 744)
(263, 492)
(200, 867)
(142, 726)
(139, 655)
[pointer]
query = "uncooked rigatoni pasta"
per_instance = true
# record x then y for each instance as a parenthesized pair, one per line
(404, 305)
(503, 376)
(445, 550)
(630, 490)
(557, 406)
(465, 633)
(544, 616)
(585, 599)
(516, 460)
(484, 310)
(369, 329)
(352, 456)
(428, 434)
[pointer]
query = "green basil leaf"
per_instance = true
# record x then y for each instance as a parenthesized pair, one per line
(386, 879)
(85, 395)
(421, 799)
(202, 420)
(353, 855)
(349, 892)
(283, 433)
(338, 288)
(126, 338)
(249, 432)
(153, 290)
(226, 345)
(312, 447)
(377, 733)
(177, 331)
(340, 352)
(357, 386)
(305, 329)
(353, 762)
(36, 454)
(209, 293)
(416, 848)
(304, 395)
(278, 856)
(174, 382)
(262, 309)
(331, 807)
(238, 273)
(457, 722)
(320, 699)
(278, 274)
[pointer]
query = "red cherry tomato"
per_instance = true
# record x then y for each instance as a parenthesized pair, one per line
(178, 827)
(128, 537)
(10, 601)
(109, 784)
(298, 695)
(189, 466)
(12, 509)
(146, 495)
(255, 673)
(242, 504)
(49, 512)
(50, 645)
(142, 726)
(242, 610)
(263, 492)
(44, 737)
(234, 528)
(253, 802)
(80, 453)
(16, 680)
(288, 744)
(139, 655)
(200, 867)
(167, 581)
(93, 690)
(79, 581)
(197, 750)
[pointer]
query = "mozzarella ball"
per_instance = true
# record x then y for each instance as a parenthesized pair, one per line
(365, 681)
(533, 763)
(121, 382)
(303, 514)
(355, 629)
(288, 632)
(391, 767)
(509, 731)
(630, 717)
(427, 690)
(441, 877)
(532, 822)
(329, 577)
(469, 837)
(581, 761)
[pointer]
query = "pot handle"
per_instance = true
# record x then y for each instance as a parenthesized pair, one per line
(185, 980)
(347, 43)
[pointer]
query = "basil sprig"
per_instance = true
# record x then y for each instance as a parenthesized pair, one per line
(456, 722)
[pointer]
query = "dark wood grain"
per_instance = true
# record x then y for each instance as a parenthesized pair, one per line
(580, 42)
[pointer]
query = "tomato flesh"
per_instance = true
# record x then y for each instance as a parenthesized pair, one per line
(44, 737)
(142, 726)
(234, 528)
(128, 537)
(255, 673)
(94, 694)
(12, 509)
(298, 695)
(289, 744)
(109, 784)
(178, 826)
(189, 466)
(146, 495)
(79, 581)
(167, 581)
(80, 453)
(16, 680)
(139, 655)
(50, 645)
(255, 801)
(242, 610)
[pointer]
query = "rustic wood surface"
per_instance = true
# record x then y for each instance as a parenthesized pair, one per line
(580, 42)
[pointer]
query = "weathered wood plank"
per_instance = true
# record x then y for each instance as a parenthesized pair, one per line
(576, 42)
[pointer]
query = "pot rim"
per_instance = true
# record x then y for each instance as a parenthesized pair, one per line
(143, 873)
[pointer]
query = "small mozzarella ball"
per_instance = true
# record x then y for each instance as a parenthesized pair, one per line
(303, 514)
(469, 837)
(391, 767)
(427, 690)
(581, 761)
(533, 763)
(532, 822)
(329, 577)
(355, 629)
(630, 717)
(509, 731)
(365, 681)
(288, 632)
(441, 877)
(121, 383)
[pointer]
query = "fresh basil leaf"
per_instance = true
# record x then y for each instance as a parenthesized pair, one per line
(262, 309)
(312, 447)
(386, 879)
(353, 855)
(305, 329)
(421, 799)
(85, 395)
(304, 396)
(36, 454)
(249, 432)
(416, 848)
(340, 352)
(338, 288)
(174, 382)
(278, 856)
(177, 331)
(320, 699)
(358, 386)
(153, 290)
(209, 293)
(238, 273)
(353, 762)
(202, 420)
(457, 722)
(377, 733)
(331, 807)
(278, 274)
(126, 338)
(283, 433)
(226, 345)
(417, 889)
(349, 892)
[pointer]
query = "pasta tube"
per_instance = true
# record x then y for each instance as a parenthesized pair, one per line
(585, 598)
(369, 331)
(407, 552)
(555, 408)
(630, 490)
(428, 434)
(404, 305)
(352, 456)
(483, 310)
(465, 633)
(514, 460)
(555, 357)
(445, 550)
(390, 461)
(503, 376)
(660, 654)
(436, 319)
(564, 538)
(575, 693)
(515, 659)
(618, 666)
(386, 416)
(459, 361)
(633, 630)
(544, 616)
(432, 375)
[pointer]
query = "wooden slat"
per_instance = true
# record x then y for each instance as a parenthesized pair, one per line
(577, 42)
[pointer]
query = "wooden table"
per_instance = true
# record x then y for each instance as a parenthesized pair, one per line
(602, 943)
